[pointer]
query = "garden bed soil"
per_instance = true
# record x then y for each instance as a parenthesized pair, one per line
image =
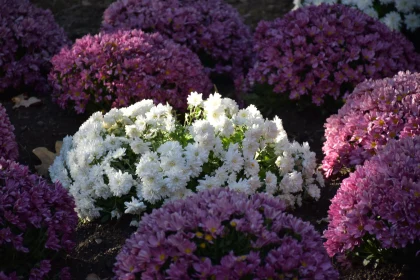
(97, 243)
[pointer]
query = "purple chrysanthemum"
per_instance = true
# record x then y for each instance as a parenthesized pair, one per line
(118, 69)
(377, 110)
(327, 50)
(29, 37)
(211, 28)
(37, 220)
(222, 234)
(8, 145)
(379, 202)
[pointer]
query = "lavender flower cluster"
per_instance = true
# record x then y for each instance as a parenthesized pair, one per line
(29, 37)
(380, 199)
(8, 145)
(222, 234)
(377, 110)
(118, 69)
(37, 220)
(327, 50)
(211, 28)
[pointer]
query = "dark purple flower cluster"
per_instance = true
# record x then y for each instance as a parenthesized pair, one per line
(377, 110)
(211, 28)
(222, 234)
(118, 69)
(327, 50)
(380, 199)
(29, 37)
(37, 220)
(8, 145)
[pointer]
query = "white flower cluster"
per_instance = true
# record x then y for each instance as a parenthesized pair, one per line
(394, 13)
(139, 156)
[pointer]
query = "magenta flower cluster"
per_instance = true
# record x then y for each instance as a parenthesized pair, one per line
(380, 199)
(222, 234)
(118, 69)
(211, 28)
(29, 37)
(327, 50)
(37, 220)
(377, 110)
(8, 145)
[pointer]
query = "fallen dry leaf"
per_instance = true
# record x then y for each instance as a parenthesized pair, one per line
(23, 100)
(92, 276)
(47, 158)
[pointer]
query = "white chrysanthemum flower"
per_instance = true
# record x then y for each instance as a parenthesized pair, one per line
(412, 21)
(405, 6)
(251, 167)
(138, 146)
(215, 116)
(288, 198)
(270, 183)
(320, 179)
(134, 206)
(233, 158)
(371, 12)
(297, 4)
(230, 106)
(213, 103)
(364, 4)
(138, 108)
(241, 186)
(249, 148)
(225, 127)
(291, 182)
(314, 191)
(195, 99)
(285, 163)
(120, 182)
(386, 1)
(209, 182)
(392, 20)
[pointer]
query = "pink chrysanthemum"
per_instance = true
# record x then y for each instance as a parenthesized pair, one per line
(327, 50)
(211, 28)
(37, 220)
(8, 145)
(223, 234)
(378, 204)
(377, 110)
(29, 37)
(118, 69)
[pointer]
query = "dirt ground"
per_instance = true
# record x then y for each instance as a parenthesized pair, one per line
(98, 244)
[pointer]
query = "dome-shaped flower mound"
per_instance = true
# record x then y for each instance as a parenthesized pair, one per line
(379, 203)
(29, 37)
(8, 145)
(37, 220)
(132, 159)
(125, 67)
(211, 28)
(377, 110)
(221, 234)
(327, 50)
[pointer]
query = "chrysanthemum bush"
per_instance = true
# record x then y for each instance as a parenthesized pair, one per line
(223, 234)
(377, 110)
(29, 37)
(326, 50)
(37, 220)
(125, 67)
(376, 211)
(8, 145)
(396, 14)
(133, 158)
(211, 28)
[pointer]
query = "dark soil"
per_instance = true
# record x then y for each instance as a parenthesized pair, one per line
(98, 244)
